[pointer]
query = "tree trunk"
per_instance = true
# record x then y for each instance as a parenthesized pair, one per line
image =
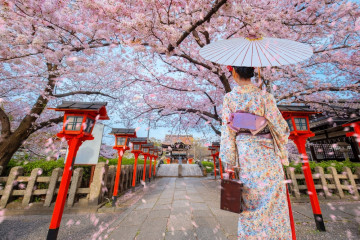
(10, 145)
(10, 142)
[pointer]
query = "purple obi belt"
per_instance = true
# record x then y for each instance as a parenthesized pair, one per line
(249, 124)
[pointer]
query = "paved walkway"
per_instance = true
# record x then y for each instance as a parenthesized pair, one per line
(178, 208)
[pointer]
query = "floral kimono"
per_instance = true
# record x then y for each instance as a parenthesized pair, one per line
(266, 214)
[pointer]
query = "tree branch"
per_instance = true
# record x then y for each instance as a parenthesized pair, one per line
(213, 10)
(47, 123)
(5, 124)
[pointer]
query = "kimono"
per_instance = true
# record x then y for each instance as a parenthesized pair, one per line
(266, 213)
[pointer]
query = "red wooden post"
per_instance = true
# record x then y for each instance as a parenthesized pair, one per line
(155, 158)
(150, 167)
(74, 145)
(144, 172)
(300, 143)
(135, 168)
(214, 157)
(220, 168)
(117, 177)
(292, 223)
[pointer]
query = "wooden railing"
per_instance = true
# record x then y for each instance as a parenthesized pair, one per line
(17, 186)
(326, 184)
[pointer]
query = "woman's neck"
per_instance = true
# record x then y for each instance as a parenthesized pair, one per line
(242, 82)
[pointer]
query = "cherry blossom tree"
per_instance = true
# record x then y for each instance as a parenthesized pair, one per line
(170, 82)
(143, 57)
(52, 50)
(49, 51)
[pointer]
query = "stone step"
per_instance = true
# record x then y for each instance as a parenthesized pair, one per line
(172, 170)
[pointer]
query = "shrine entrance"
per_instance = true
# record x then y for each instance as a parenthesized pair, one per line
(177, 152)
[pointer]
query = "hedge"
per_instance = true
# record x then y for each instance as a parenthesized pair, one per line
(49, 166)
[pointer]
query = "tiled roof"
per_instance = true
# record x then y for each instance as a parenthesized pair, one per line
(148, 145)
(138, 139)
(81, 105)
(171, 139)
(293, 108)
(123, 131)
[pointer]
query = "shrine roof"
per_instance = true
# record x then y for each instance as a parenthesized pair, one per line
(148, 145)
(81, 105)
(138, 140)
(294, 108)
(123, 131)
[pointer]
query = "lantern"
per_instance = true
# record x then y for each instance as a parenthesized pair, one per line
(216, 150)
(122, 137)
(79, 121)
(136, 150)
(145, 151)
(297, 118)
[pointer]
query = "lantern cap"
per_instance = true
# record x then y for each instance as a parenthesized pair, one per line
(97, 108)
(123, 131)
(138, 140)
(215, 144)
(211, 148)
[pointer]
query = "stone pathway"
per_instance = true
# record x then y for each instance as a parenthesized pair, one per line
(188, 208)
(177, 208)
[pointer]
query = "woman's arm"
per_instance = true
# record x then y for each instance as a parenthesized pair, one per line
(278, 127)
(227, 144)
(276, 120)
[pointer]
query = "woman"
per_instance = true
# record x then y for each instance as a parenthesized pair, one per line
(266, 214)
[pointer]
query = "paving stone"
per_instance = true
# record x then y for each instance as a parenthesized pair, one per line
(153, 230)
(179, 222)
(202, 213)
(181, 203)
(124, 233)
(163, 213)
(228, 224)
(181, 211)
(181, 235)
(206, 222)
(135, 218)
(199, 206)
(164, 201)
(162, 206)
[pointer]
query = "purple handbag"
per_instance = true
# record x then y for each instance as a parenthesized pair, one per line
(246, 120)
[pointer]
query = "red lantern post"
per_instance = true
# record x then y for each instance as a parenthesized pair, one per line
(156, 155)
(151, 156)
(136, 150)
(122, 136)
(79, 121)
(146, 153)
(216, 146)
(298, 122)
(213, 154)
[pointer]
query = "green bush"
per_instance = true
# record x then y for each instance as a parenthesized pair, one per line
(209, 166)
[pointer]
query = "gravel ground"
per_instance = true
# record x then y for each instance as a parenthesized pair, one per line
(73, 226)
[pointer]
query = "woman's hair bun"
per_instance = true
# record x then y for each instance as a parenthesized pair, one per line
(244, 72)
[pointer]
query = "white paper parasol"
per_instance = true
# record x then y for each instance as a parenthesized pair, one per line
(256, 52)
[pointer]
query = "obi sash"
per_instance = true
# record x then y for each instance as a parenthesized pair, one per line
(248, 121)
